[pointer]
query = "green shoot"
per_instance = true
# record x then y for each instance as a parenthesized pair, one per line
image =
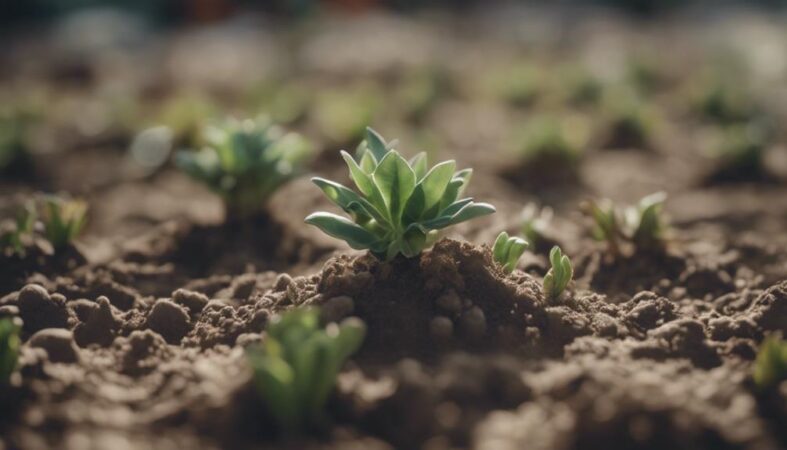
(606, 223)
(770, 367)
(9, 348)
(535, 223)
(245, 162)
(63, 219)
(507, 250)
(643, 226)
(296, 366)
(647, 222)
(559, 275)
(402, 204)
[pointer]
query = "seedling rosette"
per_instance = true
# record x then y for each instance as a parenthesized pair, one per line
(401, 204)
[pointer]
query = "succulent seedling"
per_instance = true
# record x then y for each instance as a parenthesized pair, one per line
(770, 367)
(507, 250)
(644, 226)
(245, 162)
(296, 366)
(9, 348)
(607, 225)
(63, 219)
(559, 275)
(401, 204)
(535, 222)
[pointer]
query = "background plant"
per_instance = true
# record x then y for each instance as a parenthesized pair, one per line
(401, 205)
(296, 366)
(507, 250)
(535, 223)
(245, 162)
(559, 275)
(63, 219)
(9, 348)
(549, 141)
(12, 237)
(643, 225)
(770, 367)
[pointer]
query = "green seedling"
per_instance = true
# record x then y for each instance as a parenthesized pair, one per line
(507, 250)
(13, 237)
(63, 219)
(245, 162)
(401, 205)
(342, 115)
(9, 348)
(15, 126)
(646, 221)
(559, 275)
(770, 367)
(296, 367)
(535, 222)
(643, 226)
(550, 142)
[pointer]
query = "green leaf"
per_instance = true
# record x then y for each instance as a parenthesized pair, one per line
(348, 200)
(396, 181)
(419, 165)
(472, 211)
(360, 177)
(342, 228)
(376, 144)
(500, 247)
(436, 181)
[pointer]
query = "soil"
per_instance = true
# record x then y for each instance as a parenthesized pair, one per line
(134, 336)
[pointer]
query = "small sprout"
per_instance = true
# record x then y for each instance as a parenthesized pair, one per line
(647, 221)
(63, 219)
(245, 162)
(12, 237)
(770, 367)
(559, 274)
(606, 223)
(342, 115)
(548, 143)
(296, 366)
(402, 204)
(535, 223)
(507, 250)
(9, 348)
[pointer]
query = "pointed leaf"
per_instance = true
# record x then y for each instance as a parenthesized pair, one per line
(419, 165)
(343, 228)
(376, 144)
(396, 181)
(436, 181)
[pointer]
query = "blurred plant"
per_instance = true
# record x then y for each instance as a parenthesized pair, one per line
(550, 143)
(419, 91)
(643, 72)
(739, 151)
(9, 348)
(629, 120)
(342, 115)
(245, 162)
(518, 84)
(15, 125)
(296, 366)
(535, 222)
(559, 275)
(284, 102)
(186, 114)
(770, 367)
(12, 237)
(63, 219)
(577, 86)
(721, 99)
(507, 250)
(643, 226)
(401, 205)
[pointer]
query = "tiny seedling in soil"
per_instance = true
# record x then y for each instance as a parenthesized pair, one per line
(63, 219)
(401, 205)
(296, 366)
(9, 348)
(559, 275)
(12, 238)
(245, 162)
(770, 367)
(548, 144)
(507, 250)
(643, 226)
(535, 223)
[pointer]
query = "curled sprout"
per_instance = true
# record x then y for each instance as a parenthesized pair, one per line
(559, 275)
(507, 250)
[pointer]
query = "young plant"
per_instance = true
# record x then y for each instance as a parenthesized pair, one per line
(770, 367)
(63, 219)
(559, 275)
(9, 348)
(507, 250)
(646, 221)
(535, 223)
(606, 223)
(296, 366)
(401, 205)
(549, 143)
(245, 162)
(12, 238)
